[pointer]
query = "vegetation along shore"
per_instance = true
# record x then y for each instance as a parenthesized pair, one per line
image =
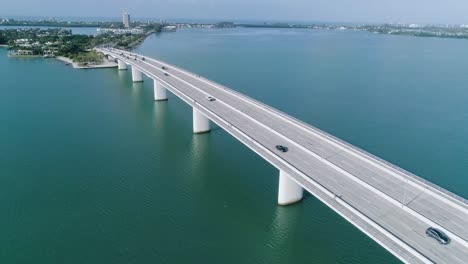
(58, 42)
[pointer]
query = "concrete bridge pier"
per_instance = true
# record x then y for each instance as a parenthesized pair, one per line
(137, 76)
(201, 123)
(289, 190)
(122, 65)
(159, 92)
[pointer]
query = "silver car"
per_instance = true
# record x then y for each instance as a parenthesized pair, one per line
(438, 235)
(210, 98)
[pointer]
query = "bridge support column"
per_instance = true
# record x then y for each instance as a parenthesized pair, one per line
(201, 123)
(122, 65)
(159, 92)
(137, 76)
(289, 191)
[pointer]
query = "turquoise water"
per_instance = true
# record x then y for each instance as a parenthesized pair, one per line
(400, 98)
(93, 171)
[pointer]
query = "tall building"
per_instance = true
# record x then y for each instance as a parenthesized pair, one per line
(126, 20)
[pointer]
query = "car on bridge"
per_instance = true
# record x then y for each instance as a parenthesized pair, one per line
(282, 148)
(438, 235)
(164, 67)
(166, 74)
(210, 98)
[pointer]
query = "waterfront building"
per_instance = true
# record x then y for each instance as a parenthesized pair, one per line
(126, 20)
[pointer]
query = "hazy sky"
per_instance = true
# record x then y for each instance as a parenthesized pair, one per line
(405, 11)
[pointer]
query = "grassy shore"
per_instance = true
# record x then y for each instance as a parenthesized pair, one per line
(76, 65)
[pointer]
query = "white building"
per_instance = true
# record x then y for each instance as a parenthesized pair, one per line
(120, 31)
(126, 20)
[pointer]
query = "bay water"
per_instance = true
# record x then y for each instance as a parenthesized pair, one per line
(92, 170)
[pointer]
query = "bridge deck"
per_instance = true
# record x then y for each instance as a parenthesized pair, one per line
(391, 206)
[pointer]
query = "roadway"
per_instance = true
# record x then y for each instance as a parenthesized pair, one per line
(390, 205)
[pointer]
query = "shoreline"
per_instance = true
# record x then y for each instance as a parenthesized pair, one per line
(105, 64)
(136, 44)
(24, 56)
(75, 65)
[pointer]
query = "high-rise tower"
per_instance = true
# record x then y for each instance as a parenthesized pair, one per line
(126, 20)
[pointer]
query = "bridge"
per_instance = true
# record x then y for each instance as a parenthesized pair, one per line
(390, 205)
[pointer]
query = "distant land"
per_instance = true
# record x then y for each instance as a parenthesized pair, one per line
(79, 49)
(438, 31)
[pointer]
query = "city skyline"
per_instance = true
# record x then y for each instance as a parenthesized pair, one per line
(360, 11)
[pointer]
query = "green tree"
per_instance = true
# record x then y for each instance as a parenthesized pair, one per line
(3, 39)
(71, 49)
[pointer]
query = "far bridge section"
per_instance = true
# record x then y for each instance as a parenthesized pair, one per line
(389, 204)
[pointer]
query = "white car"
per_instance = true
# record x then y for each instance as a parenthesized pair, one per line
(210, 98)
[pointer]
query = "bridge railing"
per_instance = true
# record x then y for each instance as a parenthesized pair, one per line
(344, 143)
(378, 236)
(396, 168)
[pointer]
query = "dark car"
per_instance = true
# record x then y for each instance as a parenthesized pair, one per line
(438, 235)
(282, 148)
(164, 68)
(143, 59)
(166, 74)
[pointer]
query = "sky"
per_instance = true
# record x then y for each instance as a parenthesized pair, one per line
(358, 11)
